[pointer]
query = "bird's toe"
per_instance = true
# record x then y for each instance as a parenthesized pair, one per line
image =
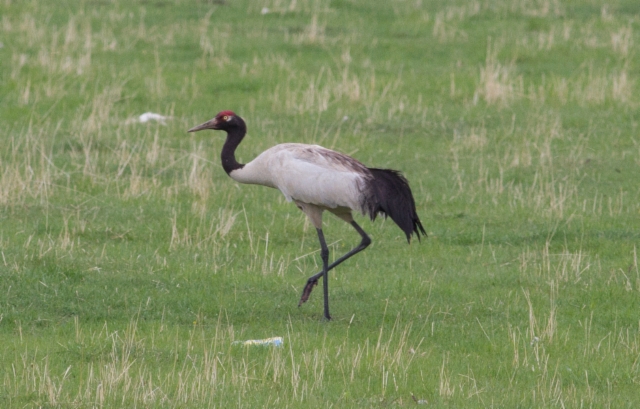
(307, 291)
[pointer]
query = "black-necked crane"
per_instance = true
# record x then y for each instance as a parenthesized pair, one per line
(318, 179)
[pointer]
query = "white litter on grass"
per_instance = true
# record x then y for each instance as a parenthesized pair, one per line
(275, 341)
(150, 116)
(419, 401)
(265, 10)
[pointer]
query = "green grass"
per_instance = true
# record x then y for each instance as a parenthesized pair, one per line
(130, 263)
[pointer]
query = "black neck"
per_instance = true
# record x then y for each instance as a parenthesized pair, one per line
(234, 137)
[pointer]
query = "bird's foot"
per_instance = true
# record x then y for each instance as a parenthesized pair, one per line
(307, 290)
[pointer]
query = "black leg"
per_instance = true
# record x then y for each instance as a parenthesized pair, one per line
(324, 255)
(313, 280)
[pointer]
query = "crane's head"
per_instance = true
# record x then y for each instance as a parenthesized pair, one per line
(225, 121)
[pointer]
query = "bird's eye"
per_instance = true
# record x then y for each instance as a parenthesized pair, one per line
(226, 117)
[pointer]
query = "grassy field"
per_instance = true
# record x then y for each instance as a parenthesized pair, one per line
(130, 262)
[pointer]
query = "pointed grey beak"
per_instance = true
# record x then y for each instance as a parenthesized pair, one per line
(212, 124)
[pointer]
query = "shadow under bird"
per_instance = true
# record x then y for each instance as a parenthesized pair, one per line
(318, 179)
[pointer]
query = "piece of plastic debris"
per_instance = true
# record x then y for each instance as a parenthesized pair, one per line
(150, 116)
(419, 401)
(275, 341)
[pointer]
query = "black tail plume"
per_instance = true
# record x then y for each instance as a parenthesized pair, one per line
(390, 194)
